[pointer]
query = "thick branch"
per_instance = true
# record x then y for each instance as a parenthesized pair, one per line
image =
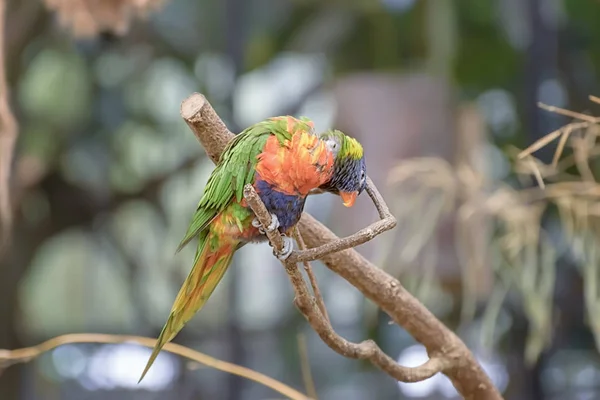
(387, 292)
(201, 117)
(310, 309)
(11, 357)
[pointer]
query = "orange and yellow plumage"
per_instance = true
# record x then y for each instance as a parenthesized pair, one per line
(284, 160)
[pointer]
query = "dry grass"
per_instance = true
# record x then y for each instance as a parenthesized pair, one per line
(498, 227)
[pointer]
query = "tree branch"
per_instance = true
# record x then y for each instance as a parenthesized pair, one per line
(11, 357)
(201, 117)
(387, 222)
(447, 352)
(309, 308)
(311, 276)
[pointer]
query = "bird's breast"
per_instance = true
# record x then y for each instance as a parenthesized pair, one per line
(287, 207)
(296, 167)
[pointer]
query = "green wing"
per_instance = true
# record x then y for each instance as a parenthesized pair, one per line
(235, 169)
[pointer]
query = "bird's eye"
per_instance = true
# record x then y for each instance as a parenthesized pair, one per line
(332, 145)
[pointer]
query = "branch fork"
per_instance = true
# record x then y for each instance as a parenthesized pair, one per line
(313, 308)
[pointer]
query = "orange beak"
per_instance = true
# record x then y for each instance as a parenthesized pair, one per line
(348, 198)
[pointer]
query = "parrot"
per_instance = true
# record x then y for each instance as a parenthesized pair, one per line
(283, 159)
(349, 177)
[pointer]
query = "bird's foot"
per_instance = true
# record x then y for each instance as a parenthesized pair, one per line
(272, 226)
(286, 251)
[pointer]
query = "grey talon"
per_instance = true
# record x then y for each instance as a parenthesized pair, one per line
(274, 223)
(288, 248)
(256, 223)
(272, 226)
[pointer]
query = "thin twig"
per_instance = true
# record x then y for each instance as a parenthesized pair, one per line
(311, 276)
(536, 172)
(10, 357)
(8, 137)
(309, 382)
(569, 113)
(387, 221)
(308, 307)
(538, 144)
(561, 145)
(581, 150)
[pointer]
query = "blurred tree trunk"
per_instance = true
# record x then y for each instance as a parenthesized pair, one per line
(26, 19)
(12, 269)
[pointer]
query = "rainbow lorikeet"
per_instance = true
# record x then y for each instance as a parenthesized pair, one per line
(284, 160)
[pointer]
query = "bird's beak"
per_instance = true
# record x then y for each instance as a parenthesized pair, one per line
(348, 198)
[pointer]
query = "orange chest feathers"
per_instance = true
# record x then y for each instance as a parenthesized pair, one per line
(297, 166)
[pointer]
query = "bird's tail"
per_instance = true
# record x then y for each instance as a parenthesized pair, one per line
(208, 270)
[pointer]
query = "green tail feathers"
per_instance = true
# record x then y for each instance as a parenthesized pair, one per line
(208, 270)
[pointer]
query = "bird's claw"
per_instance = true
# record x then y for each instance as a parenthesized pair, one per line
(274, 223)
(256, 223)
(272, 226)
(286, 251)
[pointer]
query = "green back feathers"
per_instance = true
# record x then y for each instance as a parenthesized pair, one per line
(235, 169)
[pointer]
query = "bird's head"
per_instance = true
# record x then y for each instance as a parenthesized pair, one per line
(350, 171)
